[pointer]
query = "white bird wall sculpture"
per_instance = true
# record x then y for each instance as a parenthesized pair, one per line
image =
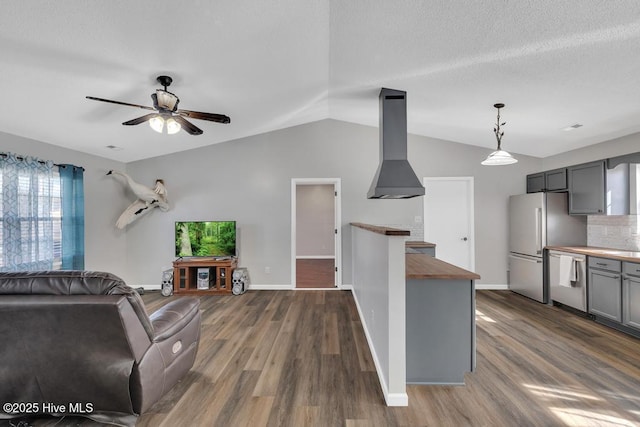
(148, 198)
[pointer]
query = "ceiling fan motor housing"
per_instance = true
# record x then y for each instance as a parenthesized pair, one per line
(164, 100)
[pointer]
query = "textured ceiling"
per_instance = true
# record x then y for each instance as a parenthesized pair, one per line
(274, 64)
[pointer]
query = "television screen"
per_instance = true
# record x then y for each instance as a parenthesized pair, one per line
(205, 238)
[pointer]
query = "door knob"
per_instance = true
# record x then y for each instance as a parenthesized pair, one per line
(464, 238)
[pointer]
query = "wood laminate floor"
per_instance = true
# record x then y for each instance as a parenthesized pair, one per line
(300, 358)
(315, 273)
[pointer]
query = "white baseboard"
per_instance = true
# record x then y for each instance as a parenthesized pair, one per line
(257, 287)
(491, 287)
(315, 257)
(148, 287)
(397, 399)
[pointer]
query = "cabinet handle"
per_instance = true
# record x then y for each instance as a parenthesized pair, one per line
(616, 277)
(602, 264)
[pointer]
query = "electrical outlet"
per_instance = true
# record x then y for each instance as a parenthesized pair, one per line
(417, 219)
(267, 270)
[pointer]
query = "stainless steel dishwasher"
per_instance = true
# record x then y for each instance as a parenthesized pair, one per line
(573, 294)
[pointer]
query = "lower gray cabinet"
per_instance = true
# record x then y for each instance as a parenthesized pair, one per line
(631, 295)
(605, 294)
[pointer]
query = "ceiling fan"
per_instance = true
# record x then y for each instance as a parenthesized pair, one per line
(167, 115)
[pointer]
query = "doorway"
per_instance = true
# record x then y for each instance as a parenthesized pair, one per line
(448, 219)
(315, 233)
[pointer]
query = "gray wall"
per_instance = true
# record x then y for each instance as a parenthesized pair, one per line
(612, 148)
(105, 246)
(249, 180)
(315, 220)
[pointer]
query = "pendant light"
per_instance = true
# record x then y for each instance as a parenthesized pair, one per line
(499, 157)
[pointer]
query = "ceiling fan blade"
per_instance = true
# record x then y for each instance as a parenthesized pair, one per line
(188, 127)
(218, 118)
(120, 103)
(139, 120)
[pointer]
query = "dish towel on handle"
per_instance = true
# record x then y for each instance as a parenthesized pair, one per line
(568, 272)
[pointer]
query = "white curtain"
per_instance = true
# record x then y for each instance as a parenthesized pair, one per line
(29, 213)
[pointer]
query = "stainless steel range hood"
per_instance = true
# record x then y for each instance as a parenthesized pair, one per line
(394, 179)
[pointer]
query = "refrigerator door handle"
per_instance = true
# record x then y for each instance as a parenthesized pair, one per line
(526, 258)
(538, 231)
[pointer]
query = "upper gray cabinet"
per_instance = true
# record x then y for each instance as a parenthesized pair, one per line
(535, 183)
(553, 180)
(604, 187)
(556, 180)
(587, 188)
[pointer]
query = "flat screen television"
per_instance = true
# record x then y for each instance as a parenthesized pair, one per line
(205, 238)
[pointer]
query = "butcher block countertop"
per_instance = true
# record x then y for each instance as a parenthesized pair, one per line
(618, 254)
(387, 231)
(423, 266)
(418, 244)
(419, 265)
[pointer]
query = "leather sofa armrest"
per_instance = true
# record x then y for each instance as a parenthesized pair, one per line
(173, 317)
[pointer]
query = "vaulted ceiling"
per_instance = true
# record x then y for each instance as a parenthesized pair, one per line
(275, 64)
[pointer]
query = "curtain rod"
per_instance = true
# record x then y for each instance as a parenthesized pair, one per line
(42, 162)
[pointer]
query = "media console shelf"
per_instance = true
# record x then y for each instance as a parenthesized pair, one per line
(203, 275)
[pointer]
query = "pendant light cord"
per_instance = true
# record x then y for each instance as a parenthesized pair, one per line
(496, 129)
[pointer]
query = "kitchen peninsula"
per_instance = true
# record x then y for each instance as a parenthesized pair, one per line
(418, 312)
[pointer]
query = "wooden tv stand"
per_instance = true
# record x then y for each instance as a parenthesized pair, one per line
(220, 272)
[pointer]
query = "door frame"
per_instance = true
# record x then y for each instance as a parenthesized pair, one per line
(470, 214)
(336, 182)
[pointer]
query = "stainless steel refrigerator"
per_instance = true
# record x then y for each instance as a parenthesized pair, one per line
(537, 220)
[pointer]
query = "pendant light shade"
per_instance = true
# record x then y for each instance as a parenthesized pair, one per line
(499, 157)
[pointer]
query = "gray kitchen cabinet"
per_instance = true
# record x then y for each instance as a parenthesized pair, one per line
(587, 188)
(535, 183)
(553, 180)
(556, 180)
(631, 295)
(605, 288)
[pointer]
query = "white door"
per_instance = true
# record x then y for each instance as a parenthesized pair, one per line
(448, 219)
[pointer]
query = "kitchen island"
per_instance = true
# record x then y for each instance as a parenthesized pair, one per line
(440, 313)
(418, 312)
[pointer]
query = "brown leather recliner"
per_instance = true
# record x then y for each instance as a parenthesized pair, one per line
(80, 343)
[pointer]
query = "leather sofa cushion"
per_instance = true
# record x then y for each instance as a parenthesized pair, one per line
(73, 282)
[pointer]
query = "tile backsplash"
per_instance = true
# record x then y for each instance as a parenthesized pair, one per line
(614, 231)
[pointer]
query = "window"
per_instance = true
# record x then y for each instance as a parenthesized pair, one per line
(31, 215)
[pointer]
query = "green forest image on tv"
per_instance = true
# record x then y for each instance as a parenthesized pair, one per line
(213, 238)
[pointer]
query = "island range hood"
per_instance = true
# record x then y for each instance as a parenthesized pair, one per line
(394, 179)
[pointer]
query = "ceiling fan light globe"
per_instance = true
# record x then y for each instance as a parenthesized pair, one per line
(173, 126)
(157, 124)
(499, 158)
